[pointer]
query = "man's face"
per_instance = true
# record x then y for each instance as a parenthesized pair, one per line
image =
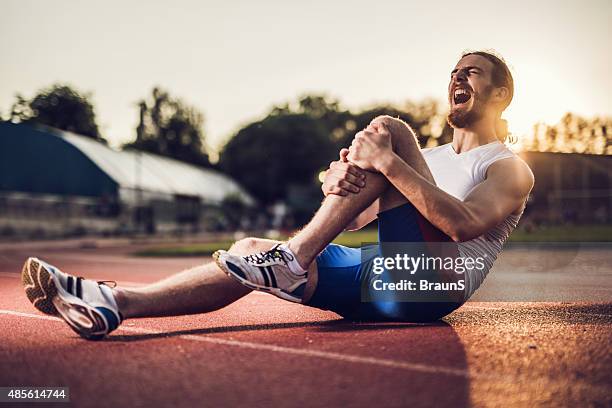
(469, 91)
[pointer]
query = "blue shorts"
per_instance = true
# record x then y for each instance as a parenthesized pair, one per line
(342, 271)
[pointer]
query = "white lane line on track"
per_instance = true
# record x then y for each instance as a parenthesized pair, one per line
(22, 314)
(287, 350)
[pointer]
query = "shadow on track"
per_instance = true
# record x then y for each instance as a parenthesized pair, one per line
(426, 345)
(339, 325)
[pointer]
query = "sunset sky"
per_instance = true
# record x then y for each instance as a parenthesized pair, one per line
(234, 60)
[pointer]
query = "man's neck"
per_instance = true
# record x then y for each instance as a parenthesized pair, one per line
(479, 134)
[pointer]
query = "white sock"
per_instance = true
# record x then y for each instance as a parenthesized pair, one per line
(294, 265)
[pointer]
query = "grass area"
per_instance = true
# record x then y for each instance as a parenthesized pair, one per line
(351, 239)
(583, 233)
(203, 249)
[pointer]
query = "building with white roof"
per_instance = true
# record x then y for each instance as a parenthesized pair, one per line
(58, 182)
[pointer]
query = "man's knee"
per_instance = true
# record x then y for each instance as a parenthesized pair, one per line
(251, 244)
(244, 244)
(387, 120)
(391, 122)
(403, 138)
(397, 127)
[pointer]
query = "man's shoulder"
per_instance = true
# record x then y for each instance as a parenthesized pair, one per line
(512, 162)
(513, 168)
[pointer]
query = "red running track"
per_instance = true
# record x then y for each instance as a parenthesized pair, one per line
(262, 351)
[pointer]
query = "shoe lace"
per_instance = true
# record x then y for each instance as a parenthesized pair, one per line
(273, 254)
(109, 283)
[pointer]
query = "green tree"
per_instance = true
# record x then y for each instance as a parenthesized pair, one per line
(283, 151)
(338, 122)
(425, 118)
(573, 134)
(171, 128)
(59, 106)
(279, 157)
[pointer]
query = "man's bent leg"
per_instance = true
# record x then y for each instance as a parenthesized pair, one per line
(406, 146)
(342, 270)
(337, 212)
(400, 222)
(201, 289)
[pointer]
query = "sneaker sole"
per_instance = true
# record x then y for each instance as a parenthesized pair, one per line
(50, 298)
(274, 291)
(39, 286)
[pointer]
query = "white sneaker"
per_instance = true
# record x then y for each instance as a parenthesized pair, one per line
(88, 307)
(267, 271)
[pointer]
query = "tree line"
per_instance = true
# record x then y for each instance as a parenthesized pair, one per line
(167, 126)
(278, 157)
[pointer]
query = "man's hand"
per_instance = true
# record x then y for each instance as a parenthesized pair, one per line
(343, 177)
(371, 147)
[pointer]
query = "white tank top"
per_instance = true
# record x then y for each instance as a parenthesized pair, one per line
(458, 174)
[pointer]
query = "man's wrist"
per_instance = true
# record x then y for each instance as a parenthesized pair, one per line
(388, 163)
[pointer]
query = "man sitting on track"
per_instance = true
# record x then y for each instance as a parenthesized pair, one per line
(469, 193)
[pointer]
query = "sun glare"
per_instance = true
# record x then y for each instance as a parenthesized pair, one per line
(539, 96)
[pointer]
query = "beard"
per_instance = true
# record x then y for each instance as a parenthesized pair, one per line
(460, 118)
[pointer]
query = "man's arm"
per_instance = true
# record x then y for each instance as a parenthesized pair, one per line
(503, 192)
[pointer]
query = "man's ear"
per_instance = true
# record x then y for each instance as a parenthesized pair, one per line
(501, 94)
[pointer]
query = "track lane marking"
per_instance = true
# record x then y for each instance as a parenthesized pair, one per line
(422, 368)
(347, 358)
(22, 314)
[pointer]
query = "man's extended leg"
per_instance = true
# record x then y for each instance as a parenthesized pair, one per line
(200, 289)
(94, 309)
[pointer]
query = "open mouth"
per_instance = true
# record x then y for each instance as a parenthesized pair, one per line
(461, 96)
